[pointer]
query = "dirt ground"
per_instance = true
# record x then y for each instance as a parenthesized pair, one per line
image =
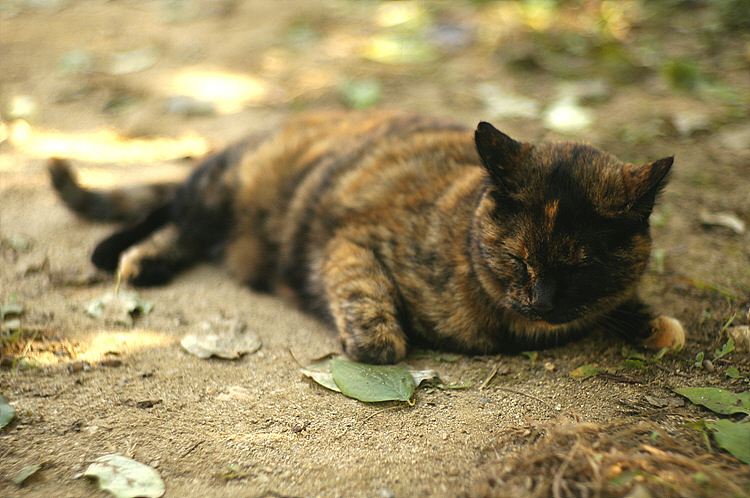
(104, 83)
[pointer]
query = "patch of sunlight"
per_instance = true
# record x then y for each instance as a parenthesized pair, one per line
(229, 93)
(130, 341)
(101, 145)
(391, 14)
(99, 346)
(539, 15)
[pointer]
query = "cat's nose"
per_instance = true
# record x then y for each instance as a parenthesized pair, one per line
(543, 297)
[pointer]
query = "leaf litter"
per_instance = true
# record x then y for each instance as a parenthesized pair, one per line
(118, 307)
(228, 339)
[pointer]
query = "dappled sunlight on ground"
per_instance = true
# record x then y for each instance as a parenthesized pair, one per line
(101, 145)
(227, 92)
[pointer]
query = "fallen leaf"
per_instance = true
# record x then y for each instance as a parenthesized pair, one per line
(584, 372)
(227, 339)
(733, 437)
(372, 383)
(717, 400)
(118, 307)
(733, 373)
(125, 478)
(133, 61)
(320, 372)
(7, 412)
(25, 473)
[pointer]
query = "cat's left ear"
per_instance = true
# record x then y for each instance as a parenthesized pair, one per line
(644, 182)
(499, 153)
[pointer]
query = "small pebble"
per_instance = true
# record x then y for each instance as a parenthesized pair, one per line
(708, 365)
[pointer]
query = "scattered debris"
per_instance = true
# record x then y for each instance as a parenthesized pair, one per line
(664, 402)
(501, 104)
(740, 335)
(133, 61)
(723, 219)
(567, 116)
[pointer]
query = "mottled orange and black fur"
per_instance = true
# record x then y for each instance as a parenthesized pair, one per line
(404, 230)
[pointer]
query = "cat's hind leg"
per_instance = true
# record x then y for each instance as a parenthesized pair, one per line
(362, 301)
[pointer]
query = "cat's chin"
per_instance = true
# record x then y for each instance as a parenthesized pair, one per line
(521, 322)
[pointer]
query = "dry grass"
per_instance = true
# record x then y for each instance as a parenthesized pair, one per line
(628, 457)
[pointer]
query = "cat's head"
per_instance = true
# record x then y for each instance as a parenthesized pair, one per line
(562, 231)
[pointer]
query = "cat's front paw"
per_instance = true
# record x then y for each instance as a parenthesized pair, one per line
(377, 352)
(666, 332)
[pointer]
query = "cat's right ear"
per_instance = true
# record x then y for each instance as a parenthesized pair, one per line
(499, 153)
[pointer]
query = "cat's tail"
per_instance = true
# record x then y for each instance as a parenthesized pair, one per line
(116, 204)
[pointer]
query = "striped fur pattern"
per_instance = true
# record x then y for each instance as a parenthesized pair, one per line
(403, 230)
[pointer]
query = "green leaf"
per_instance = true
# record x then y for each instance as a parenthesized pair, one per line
(718, 400)
(634, 364)
(7, 412)
(733, 373)
(126, 478)
(735, 438)
(372, 383)
(25, 473)
(320, 372)
(726, 349)
(699, 360)
(585, 371)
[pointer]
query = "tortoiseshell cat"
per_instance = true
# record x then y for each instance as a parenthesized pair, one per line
(405, 230)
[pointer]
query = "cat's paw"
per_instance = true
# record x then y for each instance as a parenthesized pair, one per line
(383, 351)
(666, 332)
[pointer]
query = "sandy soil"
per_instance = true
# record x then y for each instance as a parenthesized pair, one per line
(256, 427)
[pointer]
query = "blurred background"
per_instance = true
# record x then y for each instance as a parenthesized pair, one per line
(79, 75)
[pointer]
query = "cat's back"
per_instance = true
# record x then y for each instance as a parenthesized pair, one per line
(329, 163)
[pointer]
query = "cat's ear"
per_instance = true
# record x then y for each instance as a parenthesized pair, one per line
(499, 153)
(644, 182)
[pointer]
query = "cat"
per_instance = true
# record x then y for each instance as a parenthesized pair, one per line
(404, 230)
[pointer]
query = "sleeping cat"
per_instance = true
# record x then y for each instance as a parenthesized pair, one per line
(404, 230)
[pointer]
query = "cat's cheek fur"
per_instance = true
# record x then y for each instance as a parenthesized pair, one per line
(666, 332)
